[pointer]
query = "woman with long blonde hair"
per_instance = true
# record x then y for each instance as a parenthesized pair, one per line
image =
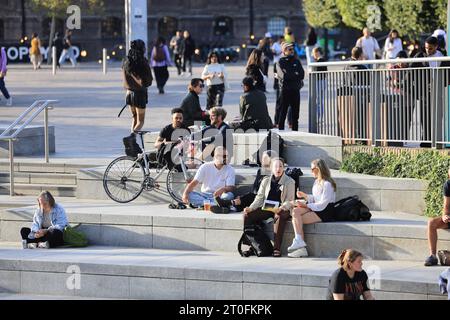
(318, 207)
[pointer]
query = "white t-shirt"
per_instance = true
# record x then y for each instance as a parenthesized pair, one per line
(395, 47)
(435, 64)
(322, 196)
(213, 179)
(369, 46)
(214, 68)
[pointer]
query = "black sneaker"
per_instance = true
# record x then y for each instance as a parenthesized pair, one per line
(223, 203)
(431, 261)
(220, 210)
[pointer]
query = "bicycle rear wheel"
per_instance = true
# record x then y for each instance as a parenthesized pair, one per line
(123, 180)
(176, 181)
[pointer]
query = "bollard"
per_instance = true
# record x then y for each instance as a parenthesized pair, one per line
(104, 60)
(54, 57)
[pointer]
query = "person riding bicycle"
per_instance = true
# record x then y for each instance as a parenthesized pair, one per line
(217, 179)
(168, 138)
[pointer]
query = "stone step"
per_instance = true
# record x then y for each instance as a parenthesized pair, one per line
(168, 274)
(378, 193)
(388, 236)
(41, 178)
(42, 167)
(24, 189)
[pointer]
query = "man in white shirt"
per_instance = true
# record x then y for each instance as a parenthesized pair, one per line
(217, 179)
(431, 49)
(368, 44)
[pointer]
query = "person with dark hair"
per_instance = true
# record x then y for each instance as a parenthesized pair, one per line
(3, 71)
(254, 69)
(175, 45)
(290, 75)
(310, 42)
(393, 45)
(253, 108)
(277, 55)
(67, 49)
(58, 43)
(349, 282)
(215, 76)
(320, 80)
(190, 105)
(49, 221)
(160, 60)
(137, 77)
(35, 51)
(188, 50)
(265, 45)
(273, 200)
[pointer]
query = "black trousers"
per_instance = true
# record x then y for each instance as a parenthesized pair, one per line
(215, 96)
(187, 59)
(54, 237)
(259, 215)
(178, 62)
(161, 76)
(246, 201)
(289, 98)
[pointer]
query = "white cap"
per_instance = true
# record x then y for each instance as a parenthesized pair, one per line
(268, 35)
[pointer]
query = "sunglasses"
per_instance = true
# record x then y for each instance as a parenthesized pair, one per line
(201, 85)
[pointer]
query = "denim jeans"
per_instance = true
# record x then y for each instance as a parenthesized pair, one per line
(197, 198)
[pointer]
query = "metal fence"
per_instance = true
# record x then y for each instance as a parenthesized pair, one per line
(393, 102)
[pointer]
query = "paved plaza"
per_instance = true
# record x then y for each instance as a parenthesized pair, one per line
(86, 120)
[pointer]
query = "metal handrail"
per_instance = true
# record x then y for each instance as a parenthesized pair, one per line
(384, 61)
(37, 106)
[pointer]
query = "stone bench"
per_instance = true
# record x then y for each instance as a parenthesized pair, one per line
(30, 142)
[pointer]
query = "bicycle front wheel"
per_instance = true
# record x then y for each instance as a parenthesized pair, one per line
(123, 180)
(177, 180)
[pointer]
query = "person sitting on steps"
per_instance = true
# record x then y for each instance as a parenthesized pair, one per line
(442, 222)
(319, 207)
(241, 202)
(217, 179)
(49, 221)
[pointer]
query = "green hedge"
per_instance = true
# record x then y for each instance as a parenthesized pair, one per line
(431, 166)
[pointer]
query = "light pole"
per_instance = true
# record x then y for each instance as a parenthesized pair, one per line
(251, 18)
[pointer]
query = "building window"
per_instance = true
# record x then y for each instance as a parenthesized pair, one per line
(276, 26)
(167, 27)
(223, 26)
(111, 27)
(46, 27)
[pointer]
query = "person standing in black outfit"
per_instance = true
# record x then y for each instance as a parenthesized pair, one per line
(58, 43)
(255, 67)
(188, 50)
(290, 74)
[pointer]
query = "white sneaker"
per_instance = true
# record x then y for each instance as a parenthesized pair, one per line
(182, 74)
(24, 244)
(44, 245)
(299, 253)
(296, 244)
(32, 246)
(9, 102)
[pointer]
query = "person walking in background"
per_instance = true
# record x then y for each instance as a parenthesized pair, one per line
(321, 80)
(265, 45)
(290, 74)
(349, 282)
(3, 70)
(49, 221)
(215, 76)
(255, 68)
(187, 50)
(175, 45)
(137, 77)
(289, 35)
(35, 51)
(67, 49)
(160, 60)
(393, 45)
(58, 43)
(277, 54)
(369, 45)
(310, 43)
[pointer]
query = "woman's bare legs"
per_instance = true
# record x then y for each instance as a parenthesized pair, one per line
(138, 118)
(301, 216)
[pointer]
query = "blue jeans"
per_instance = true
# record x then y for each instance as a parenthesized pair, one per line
(197, 198)
(3, 88)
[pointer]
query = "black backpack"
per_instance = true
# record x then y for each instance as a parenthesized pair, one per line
(255, 237)
(132, 149)
(273, 141)
(351, 209)
(295, 173)
(164, 155)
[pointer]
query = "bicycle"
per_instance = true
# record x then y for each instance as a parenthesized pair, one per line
(126, 177)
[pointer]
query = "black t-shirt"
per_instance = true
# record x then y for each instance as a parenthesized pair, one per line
(171, 134)
(275, 191)
(340, 283)
(447, 188)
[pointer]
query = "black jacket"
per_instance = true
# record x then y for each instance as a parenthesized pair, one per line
(188, 47)
(256, 73)
(290, 73)
(253, 106)
(191, 109)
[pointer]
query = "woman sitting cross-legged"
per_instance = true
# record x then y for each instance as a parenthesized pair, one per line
(48, 225)
(275, 189)
(319, 206)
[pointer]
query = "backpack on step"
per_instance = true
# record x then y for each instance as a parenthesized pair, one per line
(132, 149)
(258, 241)
(273, 141)
(351, 209)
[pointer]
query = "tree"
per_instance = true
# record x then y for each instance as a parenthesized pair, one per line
(322, 14)
(440, 10)
(408, 17)
(361, 13)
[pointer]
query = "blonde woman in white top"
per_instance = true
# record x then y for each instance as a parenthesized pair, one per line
(215, 76)
(318, 208)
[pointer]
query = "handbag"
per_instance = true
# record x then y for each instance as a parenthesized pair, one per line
(444, 257)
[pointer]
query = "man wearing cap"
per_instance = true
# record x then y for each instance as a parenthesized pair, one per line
(290, 75)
